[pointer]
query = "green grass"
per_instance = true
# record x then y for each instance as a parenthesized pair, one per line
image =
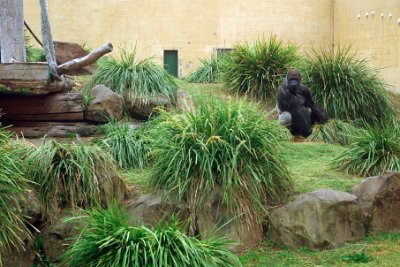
(346, 86)
(381, 250)
(257, 69)
(311, 167)
(108, 239)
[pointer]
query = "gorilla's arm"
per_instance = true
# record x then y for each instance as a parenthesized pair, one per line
(305, 92)
(285, 100)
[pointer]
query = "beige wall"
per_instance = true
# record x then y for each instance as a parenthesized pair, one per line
(373, 36)
(193, 27)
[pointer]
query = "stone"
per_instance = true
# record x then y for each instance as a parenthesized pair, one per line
(18, 257)
(184, 101)
(151, 208)
(320, 219)
(31, 208)
(380, 201)
(104, 105)
(57, 236)
(112, 187)
(142, 108)
(66, 51)
(216, 220)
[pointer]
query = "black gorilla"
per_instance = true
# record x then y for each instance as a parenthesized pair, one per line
(296, 107)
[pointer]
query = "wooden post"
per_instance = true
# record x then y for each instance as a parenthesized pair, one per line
(12, 37)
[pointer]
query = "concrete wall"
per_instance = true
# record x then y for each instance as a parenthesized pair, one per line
(374, 36)
(195, 28)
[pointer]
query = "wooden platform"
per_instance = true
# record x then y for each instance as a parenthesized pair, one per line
(30, 77)
(52, 107)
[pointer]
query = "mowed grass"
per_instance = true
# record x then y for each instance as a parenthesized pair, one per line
(311, 167)
(382, 250)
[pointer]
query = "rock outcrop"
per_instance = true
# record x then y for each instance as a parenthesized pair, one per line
(380, 201)
(320, 219)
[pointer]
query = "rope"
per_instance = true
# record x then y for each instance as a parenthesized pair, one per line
(48, 40)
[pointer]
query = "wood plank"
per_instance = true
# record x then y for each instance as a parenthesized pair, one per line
(53, 129)
(53, 107)
(12, 37)
(25, 71)
(54, 117)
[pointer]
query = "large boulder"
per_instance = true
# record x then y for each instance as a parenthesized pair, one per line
(320, 219)
(151, 208)
(59, 234)
(216, 219)
(380, 201)
(141, 108)
(104, 105)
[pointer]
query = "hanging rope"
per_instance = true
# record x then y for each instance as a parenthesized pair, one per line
(48, 40)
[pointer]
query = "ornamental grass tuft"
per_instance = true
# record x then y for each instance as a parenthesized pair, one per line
(13, 185)
(207, 72)
(70, 174)
(335, 132)
(133, 78)
(346, 86)
(227, 145)
(374, 151)
(107, 239)
(127, 146)
(257, 70)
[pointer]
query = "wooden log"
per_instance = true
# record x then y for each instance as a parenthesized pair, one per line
(86, 60)
(12, 37)
(31, 77)
(53, 107)
(53, 129)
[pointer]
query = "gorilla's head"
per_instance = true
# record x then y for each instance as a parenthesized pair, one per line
(293, 79)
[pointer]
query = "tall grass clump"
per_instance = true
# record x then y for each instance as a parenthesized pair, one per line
(374, 152)
(12, 187)
(127, 146)
(257, 70)
(346, 86)
(228, 145)
(207, 72)
(335, 132)
(133, 78)
(70, 174)
(107, 239)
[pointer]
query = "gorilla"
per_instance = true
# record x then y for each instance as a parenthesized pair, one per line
(296, 107)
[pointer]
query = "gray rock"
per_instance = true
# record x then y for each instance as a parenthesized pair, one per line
(20, 258)
(184, 101)
(141, 108)
(217, 220)
(57, 236)
(104, 105)
(320, 219)
(151, 208)
(380, 201)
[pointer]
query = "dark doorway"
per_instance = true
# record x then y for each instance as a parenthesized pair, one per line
(171, 62)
